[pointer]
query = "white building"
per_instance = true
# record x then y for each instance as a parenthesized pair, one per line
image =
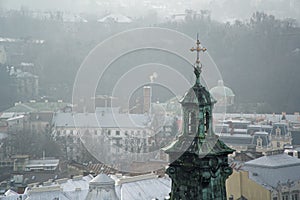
(104, 133)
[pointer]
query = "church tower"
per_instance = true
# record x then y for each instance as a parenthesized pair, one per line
(199, 165)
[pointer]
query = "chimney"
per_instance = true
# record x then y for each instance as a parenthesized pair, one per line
(147, 99)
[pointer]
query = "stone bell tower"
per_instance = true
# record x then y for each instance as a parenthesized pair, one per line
(199, 159)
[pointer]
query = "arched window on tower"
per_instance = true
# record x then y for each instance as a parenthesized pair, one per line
(192, 123)
(206, 121)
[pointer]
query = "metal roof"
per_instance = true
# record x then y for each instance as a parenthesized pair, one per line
(104, 120)
(274, 161)
(146, 189)
(156, 188)
(37, 107)
(269, 170)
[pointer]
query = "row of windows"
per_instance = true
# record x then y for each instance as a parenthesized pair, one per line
(287, 196)
(109, 132)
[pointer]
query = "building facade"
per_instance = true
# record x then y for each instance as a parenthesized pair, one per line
(271, 177)
(107, 134)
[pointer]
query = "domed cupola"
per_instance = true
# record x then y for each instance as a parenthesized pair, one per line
(224, 95)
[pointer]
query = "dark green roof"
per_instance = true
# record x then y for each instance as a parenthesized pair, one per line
(198, 95)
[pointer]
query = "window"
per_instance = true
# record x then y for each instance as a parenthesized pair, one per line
(117, 132)
(278, 132)
(290, 153)
(275, 198)
(206, 121)
(192, 123)
(285, 197)
(108, 132)
(295, 196)
(259, 142)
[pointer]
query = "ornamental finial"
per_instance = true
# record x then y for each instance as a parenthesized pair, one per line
(198, 65)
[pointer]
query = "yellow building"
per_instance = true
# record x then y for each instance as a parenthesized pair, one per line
(272, 177)
(240, 186)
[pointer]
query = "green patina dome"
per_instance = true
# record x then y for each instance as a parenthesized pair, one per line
(198, 95)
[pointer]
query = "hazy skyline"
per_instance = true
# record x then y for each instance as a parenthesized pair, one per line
(222, 10)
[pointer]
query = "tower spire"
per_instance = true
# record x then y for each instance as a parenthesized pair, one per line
(199, 166)
(198, 65)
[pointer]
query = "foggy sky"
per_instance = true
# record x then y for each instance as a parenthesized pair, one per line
(222, 10)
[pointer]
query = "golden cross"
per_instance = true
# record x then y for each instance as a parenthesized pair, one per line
(198, 49)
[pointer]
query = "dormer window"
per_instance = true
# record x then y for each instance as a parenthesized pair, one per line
(259, 142)
(278, 132)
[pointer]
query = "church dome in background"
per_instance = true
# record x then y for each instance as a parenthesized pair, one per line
(224, 95)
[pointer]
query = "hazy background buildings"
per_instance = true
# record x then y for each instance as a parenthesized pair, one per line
(255, 51)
